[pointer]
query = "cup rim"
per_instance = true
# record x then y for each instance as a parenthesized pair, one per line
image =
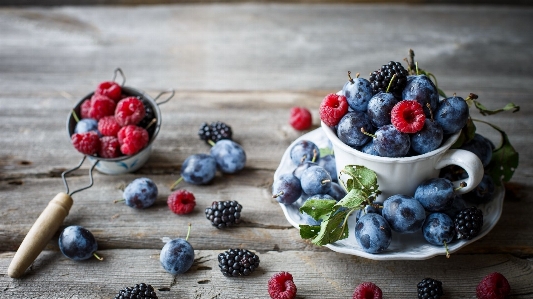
(129, 91)
(332, 136)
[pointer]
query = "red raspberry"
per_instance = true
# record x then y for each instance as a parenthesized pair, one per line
(181, 202)
(108, 126)
(281, 286)
(109, 147)
(85, 108)
(101, 106)
(493, 286)
(407, 116)
(333, 108)
(301, 118)
(129, 111)
(109, 89)
(87, 143)
(132, 139)
(367, 290)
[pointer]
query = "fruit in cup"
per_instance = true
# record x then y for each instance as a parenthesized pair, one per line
(77, 243)
(427, 139)
(129, 111)
(86, 125)
(332, 108)
(407, 116)
(421, 89)
(109, 89)
(389, 142)
(87, 143)
(391, 77)
(351, 127)
(452, 114)
(101, 106)
(380, 107)
(357, 92)
(132, 139)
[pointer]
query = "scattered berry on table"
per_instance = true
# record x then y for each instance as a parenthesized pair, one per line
(215, 131)
(281, 286)
(468, 223)
(109, 147)
(367, 290)
(109, 89)
(177, 256)
(229, 156)
(198, 169)
(304, 151)
(427, 139)
(140, 193)
(351, 128)
(421, 89)
(408, 116)
(332, 108)
(430, 288)
(138, 291)
(87, 143)
(224, 214)
(380, 80)
(286, 189)
(357, 92)
(77, 243)
(129, 111)
(237, 262)
(373, 233)
(132, 139)
(181, 202)
(85, 108)
(108, 126)
(101, 106)
(404, 213)
(493, 286)
(86, 125)
(452, 114)
(300, 118)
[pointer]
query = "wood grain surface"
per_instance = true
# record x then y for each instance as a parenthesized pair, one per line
(245, 64)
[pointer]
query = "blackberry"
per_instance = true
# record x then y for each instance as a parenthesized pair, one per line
(140, 291)
(237, 262)
(148, 117)
(215, 131)
(380, 79)
(429, 288)
(223, 214)
(468, 223)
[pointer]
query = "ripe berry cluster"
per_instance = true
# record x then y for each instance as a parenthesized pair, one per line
(112, 123)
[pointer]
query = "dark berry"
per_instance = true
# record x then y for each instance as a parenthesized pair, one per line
(140, 193)
(214, 132)
(408, 116)
(300, 118)
(287, 188)
(177, 256)
(132, 139)
(138, 291)
(129, 111)
(87, 143)
(224, 214)
(483, 192)
(181, 202)
(468, 223)
(427, 139)
(281, 286)
(149, 115)
(493, 286)
(429, 288)
(237, 262)
(351, 129)
(77, 243)
(367, 290)
(452, 114)
(332, 109)
(380, 80)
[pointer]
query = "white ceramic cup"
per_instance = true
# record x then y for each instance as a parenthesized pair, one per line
(404, 175)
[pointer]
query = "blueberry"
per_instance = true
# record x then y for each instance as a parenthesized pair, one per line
(435, 194)
(480, 146)
(349, 129)
(379, 109)
(177, 256)
(86, 125)
(421, 89)
(141, 193)
(304, 150)
(77, 243)
(438, 229)
(286, 189)
(199, 169)
(328, 162)
(373, 233)
(337, 191)
(358, 93)
(390, 142)
(483, 192)
(315, 180)
(404, 213)
(229, 156)
(452, 114)
(427, 139)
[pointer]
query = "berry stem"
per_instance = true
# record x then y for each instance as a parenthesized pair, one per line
(430, 112)
(153, 121)
(366, 133)
(280, 193)
(315, 154)
(211, 142)
(461, 186)
(417, 71)
(119, 200)
(390, 83)
(76, 118)
(447, 251)
(350, 77)
(188, 232)
(176, 183)
(98, 257)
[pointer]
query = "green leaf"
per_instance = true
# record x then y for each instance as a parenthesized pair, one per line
(361, 178)
(504, 160)
(318, 208)
(326, 151)
(353, 199)
(467, 133)
(309, 231)
(484, 111)
(333, 228)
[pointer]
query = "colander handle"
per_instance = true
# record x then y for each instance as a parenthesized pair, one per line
(40, 234)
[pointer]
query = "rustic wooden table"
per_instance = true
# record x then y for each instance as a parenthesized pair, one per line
(247, 65)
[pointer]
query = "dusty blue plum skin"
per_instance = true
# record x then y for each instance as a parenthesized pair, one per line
(404, 213)
(483, 192)
(315, 180)
(452, 114)
(229, 156)
(349, 129)
(379, 109)
(458, 204)
(286, 189)
(337, 191)
(480, 146)
(421, 89)
(358, 93)
(297, 172)
(435, 194)
(77, 243)
(369, 148)
(438, 228)
(390, 142)
(373, 233)
(328, 162)
(141, 193)
(177, 256)
(199, 169)
(427, 139)
(86, 125)
(304, 151)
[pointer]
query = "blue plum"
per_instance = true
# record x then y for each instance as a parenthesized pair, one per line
(140, 193)
(427, 139)
(337, 191)
(373, 233)
(286, 189)
(199, 169)
(229, 156)
(380, 107)
(177, 256)
(421, 89)
(369, 148)
(458, 204)
(86, 125)
(328, 162)
(483, 192)
(304, 151)
(480, 146)
(438, 229)
(315, 180)
(297, 172)
(350, 126)
(358, 93)
(404, 213)
(435, 194)
(77, 243)
(389, 142)
(452, 114)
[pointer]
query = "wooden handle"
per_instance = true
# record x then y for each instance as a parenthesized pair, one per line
(40, 234)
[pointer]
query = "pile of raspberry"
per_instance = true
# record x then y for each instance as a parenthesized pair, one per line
(118, 117)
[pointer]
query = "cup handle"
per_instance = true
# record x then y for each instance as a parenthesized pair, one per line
(469, 162)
